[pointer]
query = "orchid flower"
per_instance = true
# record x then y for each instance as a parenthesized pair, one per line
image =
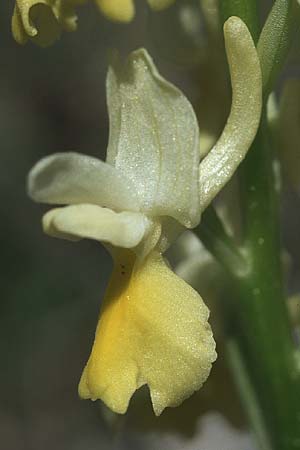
(43, 20)
(153, 327)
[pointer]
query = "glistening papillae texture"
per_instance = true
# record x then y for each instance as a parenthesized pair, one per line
(153, 330)
(153, 327)
(274, 41)
(124, 229)
(154, 139)
(73, 178)
(222, 161)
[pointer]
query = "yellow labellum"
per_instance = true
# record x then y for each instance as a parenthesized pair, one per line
(153, 330)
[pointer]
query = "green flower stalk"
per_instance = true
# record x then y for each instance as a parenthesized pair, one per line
(259, 320)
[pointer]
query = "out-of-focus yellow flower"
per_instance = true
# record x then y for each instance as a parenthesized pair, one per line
(153, 327)
(124, 10)
(42, 21)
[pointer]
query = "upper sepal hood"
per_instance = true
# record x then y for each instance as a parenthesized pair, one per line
(152, 162)
(154, 138)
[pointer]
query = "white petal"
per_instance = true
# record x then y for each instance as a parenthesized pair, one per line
(154, 139)
(125, 229)
(72, 178)
(222, 161)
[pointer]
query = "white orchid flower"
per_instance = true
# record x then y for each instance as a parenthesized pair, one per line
(153, 327)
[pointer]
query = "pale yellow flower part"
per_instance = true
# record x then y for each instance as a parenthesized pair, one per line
(153, 330)
(241, 127)
(94, 222)
(43, 20)
(124, 10)
(129, 202)
(117, 10)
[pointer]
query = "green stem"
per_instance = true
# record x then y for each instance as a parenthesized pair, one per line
(246, 10)
(248, 396)
(262, 318)
(261, 323)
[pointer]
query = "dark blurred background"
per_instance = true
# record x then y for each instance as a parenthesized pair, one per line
(54, 100)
